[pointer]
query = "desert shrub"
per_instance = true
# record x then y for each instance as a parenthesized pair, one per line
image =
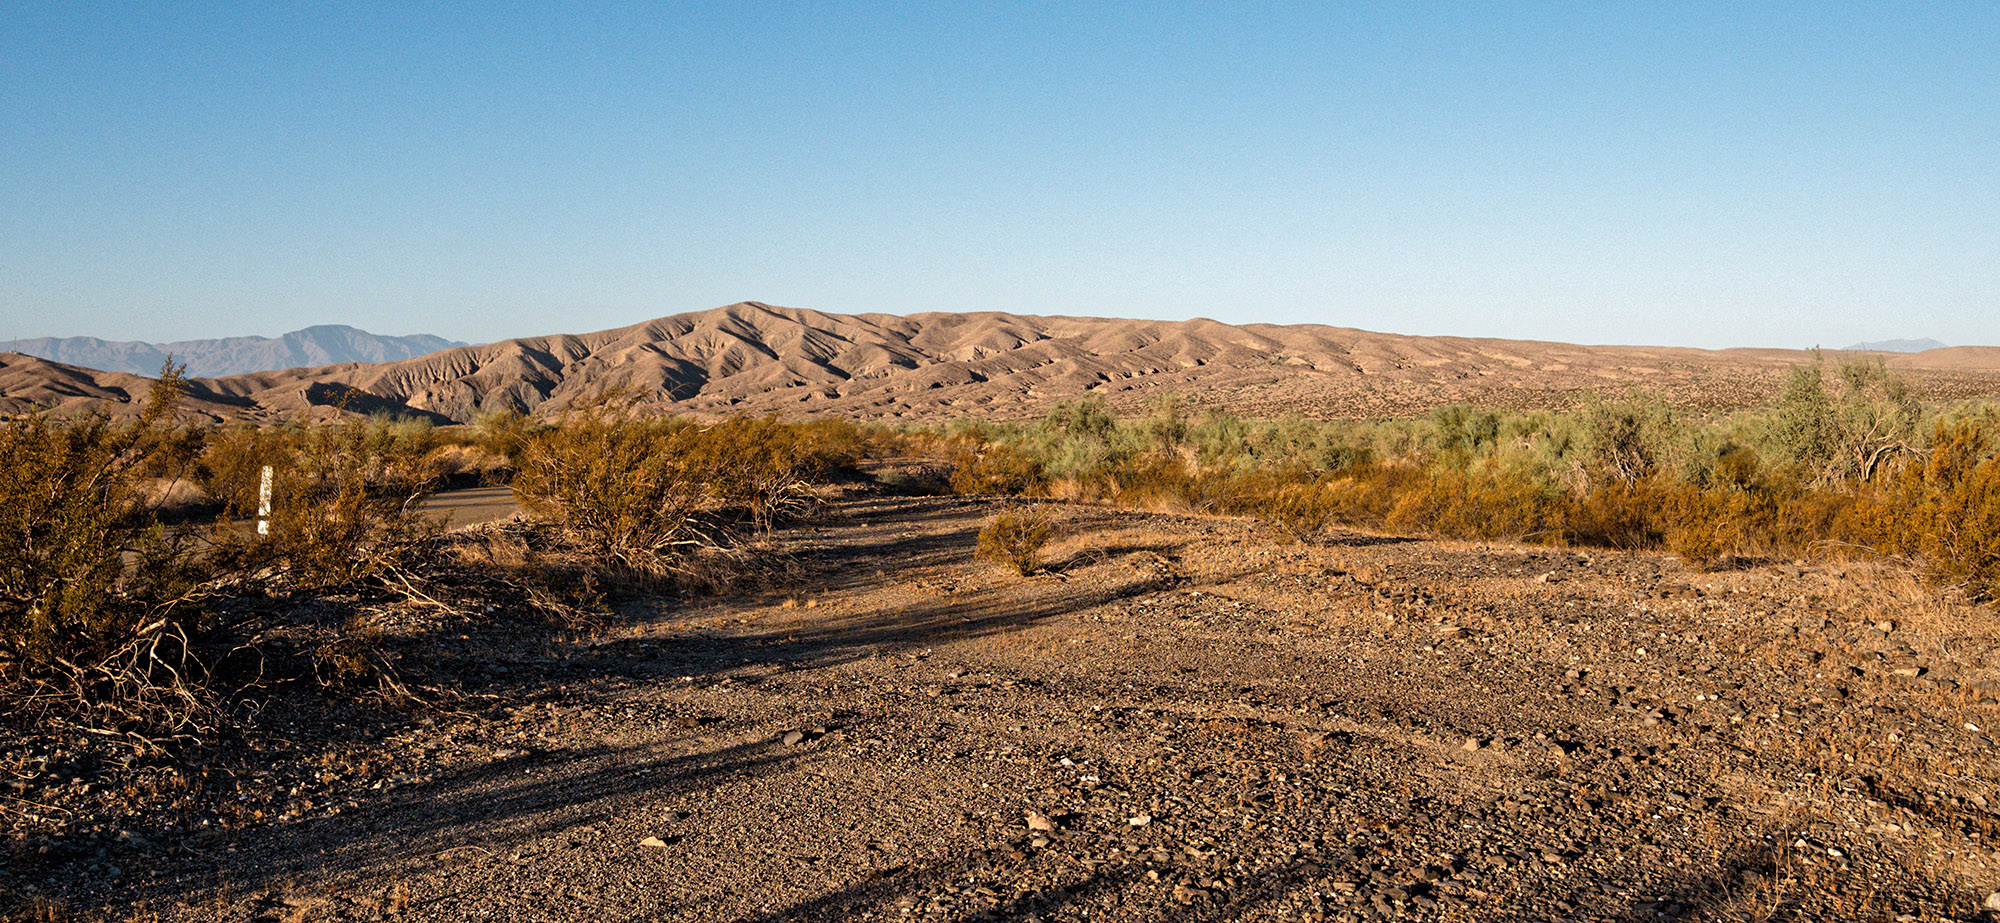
(504, 433)
(649, 493)
(1876, 419)
(1304, 509)
(997, 469)
(96, 597)
(1617, 516)
(1819, 472)
(233, 460)
(1085, 418)
(1150, 478)
(767, 468)
(1702, 526)
(1947, 511)
(344, 500)
(613, 485)
(1623, 441)
(1459, 432)
(1804, 423)
(1483, 504)
(1015, 540)
(1735, 467)
(1220, 440)
(1165, 428)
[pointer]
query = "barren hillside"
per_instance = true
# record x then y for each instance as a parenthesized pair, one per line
(758, 358)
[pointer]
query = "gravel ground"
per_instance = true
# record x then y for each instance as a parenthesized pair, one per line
(1182, 718)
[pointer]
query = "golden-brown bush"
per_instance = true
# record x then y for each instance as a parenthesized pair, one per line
(1947, 511)
(97, 598)
(1015, 540)
(343, 501)
(647, 493)
(997, 469)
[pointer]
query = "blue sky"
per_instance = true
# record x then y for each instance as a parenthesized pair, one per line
(1688, 174)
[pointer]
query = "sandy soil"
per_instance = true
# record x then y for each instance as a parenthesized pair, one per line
(1184, 718)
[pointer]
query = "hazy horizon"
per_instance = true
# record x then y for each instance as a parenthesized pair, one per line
(1709, 176)
(1869, 343)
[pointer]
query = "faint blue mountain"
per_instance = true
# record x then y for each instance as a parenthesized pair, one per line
(1900, 346)
(314, 346)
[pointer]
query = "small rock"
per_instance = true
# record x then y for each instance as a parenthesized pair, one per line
(653, 842)
(1039, 821)
(1473, 745)
(1993, 902)
(1141, 821)
(793, 738)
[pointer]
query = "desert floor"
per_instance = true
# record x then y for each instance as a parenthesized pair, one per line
(1182, 718)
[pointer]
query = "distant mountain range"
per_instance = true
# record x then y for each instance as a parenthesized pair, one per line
(762, 359)
(1900, 346)
(328, 344)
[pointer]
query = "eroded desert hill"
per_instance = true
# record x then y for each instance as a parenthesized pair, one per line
(758, 358)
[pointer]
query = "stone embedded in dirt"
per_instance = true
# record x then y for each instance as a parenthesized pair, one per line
(1473, 744)
(793, 738)
(653, 842)
(1141, 820)
(1039, 821)
(1993, 902)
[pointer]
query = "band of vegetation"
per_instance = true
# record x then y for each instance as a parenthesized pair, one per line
(126, 553)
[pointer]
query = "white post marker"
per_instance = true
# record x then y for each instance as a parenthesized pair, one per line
(264, 503)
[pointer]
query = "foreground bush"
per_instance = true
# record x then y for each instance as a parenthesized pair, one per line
(97, 598)
(1015, 540)
(1945, 511)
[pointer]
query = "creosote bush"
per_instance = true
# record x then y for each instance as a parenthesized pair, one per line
(97, 598)
(997, 469)
(1015, 540)
(649, 494)
(344, 496)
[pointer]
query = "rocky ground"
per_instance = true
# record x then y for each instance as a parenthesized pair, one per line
(1183, 718)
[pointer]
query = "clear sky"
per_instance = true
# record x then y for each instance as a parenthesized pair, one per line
(1721, 174)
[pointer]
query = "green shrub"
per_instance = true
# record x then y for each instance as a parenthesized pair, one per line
(1624, 441)
(1015, 540)
(1819, 472)
(1875, 420)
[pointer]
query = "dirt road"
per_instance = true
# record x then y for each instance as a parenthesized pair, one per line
(471, 506)
(1185, 718)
